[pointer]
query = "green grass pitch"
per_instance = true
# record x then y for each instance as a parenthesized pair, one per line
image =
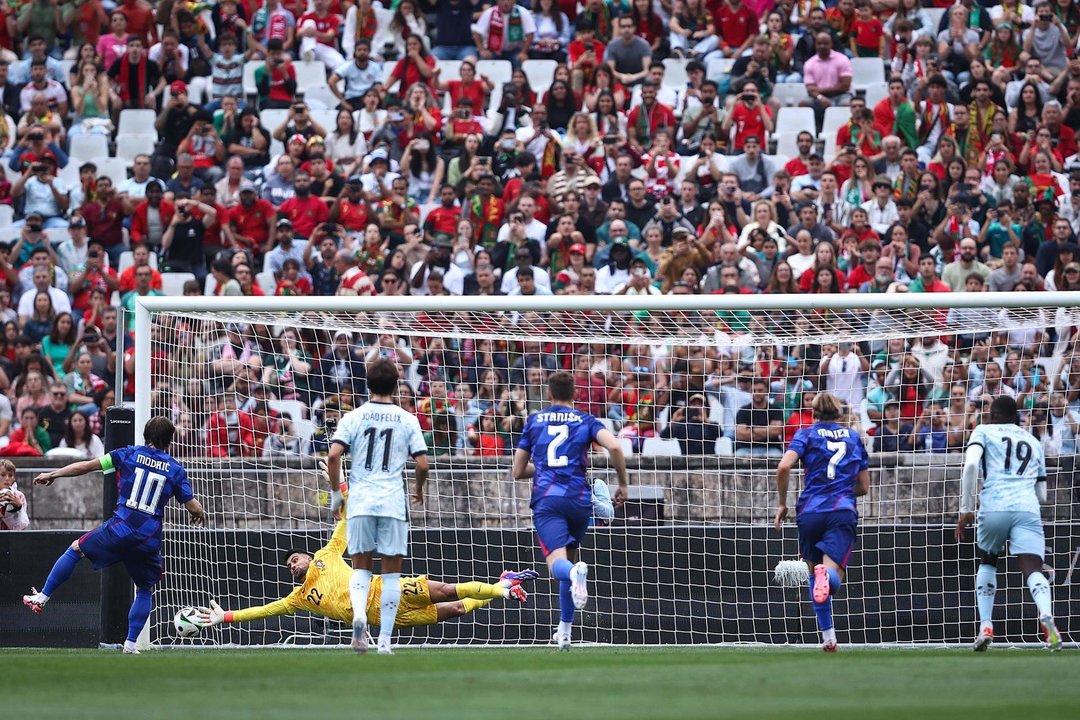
(437, 684)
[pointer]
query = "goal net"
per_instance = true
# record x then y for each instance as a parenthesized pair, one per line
(703, 393)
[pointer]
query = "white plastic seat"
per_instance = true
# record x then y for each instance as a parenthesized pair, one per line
(538, 72)
(500, 72)
(272, 117)
(266, 281)
(675, 73)
(320, 98)
(173, 283)
(293, 408)
(935, 18)
(865, 71)
(875, 93)
(57, 235)
(787, 143)
(249, 76)
(127, 259)
(795, 119)
(451, 69)
(211, 285)
(718, 68)
(789, 93)
(113, 168)
(724, 446)
(310, 74)
(660, 446)
(7, 215)
(87, 146)
(128, 146)
(627, 445)
(136, 122)
(327, 118)
(835, 118)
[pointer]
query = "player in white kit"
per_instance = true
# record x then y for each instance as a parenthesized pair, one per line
(1014, 486)
(379, 437)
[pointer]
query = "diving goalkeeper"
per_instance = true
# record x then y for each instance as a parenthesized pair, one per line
(324, 590)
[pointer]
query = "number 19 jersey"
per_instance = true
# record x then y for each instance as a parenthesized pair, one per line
(1012, 463)
(380, 438)
(559, 438)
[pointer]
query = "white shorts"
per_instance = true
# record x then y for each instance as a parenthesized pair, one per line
(1023, 531)
(370, 533)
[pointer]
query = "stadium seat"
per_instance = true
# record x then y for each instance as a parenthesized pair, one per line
(7, 215)
(128, 146)
(320, 98)
(660, 446)
(724, 446)
(266, 281)
(499, 72)
(9, 234)
(451, 69)
(173, 283)
(304, 429)
(114, 168)
(606, 422)
(538, 72)
(136, 122)
(627, 445)
(67, 65)
(675, 73)
(835, 118)
(249, 76)
(718, 68)
(935, 14)
(210, 288)
(127, 259)
(875, 93)
(86, 146)
(57, 235)
(789, 93)
(792, 119)
(779, 160)
(310, 74)
(327, 118)
(787, 143)
(829, 151)
(865, 71)
(272, 117)
(293, 408)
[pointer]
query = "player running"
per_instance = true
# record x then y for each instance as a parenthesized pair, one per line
(836, 472)
(380, 437)
(553, 450)
(1014, 485)
(325, 590)
(147, 477)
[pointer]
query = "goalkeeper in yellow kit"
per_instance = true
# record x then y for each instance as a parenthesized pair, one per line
(324, 590)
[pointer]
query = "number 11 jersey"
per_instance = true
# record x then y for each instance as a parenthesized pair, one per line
(1012, 463)
(559, 438)
(380, 438)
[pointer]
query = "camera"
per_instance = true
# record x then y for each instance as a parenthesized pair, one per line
(33, 227)
(38, 168)
(94, 254)
(397, 116)
(610, 139)
(747, 97)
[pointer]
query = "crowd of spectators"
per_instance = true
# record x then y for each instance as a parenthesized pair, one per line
(448, 147)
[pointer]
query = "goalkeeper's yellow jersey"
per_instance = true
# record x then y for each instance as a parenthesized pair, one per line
(326, 592)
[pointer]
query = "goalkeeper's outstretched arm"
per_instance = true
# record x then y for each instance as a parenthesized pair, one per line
(217, 615)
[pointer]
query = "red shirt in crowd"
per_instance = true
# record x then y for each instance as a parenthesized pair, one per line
(127, 280)
(251, 223)
(749, 122)
(736, 24)
(353, 216)
(327, 24)
(443, 220)
(305, 213)
(140, 21)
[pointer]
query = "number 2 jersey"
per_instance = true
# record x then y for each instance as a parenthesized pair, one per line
(380, 438)
(559, 438)
(1012, 463)
(833, 456)
(146, 478)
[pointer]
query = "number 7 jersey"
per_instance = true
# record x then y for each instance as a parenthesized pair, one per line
(559, 438)
(380, 437)
(1012, 463)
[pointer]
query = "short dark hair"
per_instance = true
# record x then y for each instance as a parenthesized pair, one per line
(1003, 410)
(296, 551)
(382, 377)
(561, 387)
(159, 432)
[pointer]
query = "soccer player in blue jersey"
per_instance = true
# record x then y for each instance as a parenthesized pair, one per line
(553, 451)
(836, 472)
(147, 477)
(1014, 486)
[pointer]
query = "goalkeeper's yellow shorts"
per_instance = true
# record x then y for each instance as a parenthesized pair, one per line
(416, 608)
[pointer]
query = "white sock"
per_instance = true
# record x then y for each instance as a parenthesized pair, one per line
(828, 635)
(388, 605)
(359, 587)
(985, 589)
(566, 629)
(1040, 593)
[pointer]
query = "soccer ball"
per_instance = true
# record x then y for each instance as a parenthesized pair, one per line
(185, 622)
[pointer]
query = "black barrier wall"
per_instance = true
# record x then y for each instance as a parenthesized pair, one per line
(649, 586)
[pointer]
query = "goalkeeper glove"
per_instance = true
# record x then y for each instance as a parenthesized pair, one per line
(211, 616)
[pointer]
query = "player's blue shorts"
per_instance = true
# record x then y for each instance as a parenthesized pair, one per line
(827, 533)
(560, 522)
(115, 541)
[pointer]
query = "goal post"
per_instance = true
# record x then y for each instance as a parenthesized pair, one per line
(703, 392)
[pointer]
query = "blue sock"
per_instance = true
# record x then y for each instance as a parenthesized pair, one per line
(822, 610)
(566, 602)
(834, 579)
(561, 569)
(140, 611)
(61, 571)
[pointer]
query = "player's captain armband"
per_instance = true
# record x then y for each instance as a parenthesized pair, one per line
(602, 506)
(106, 463)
